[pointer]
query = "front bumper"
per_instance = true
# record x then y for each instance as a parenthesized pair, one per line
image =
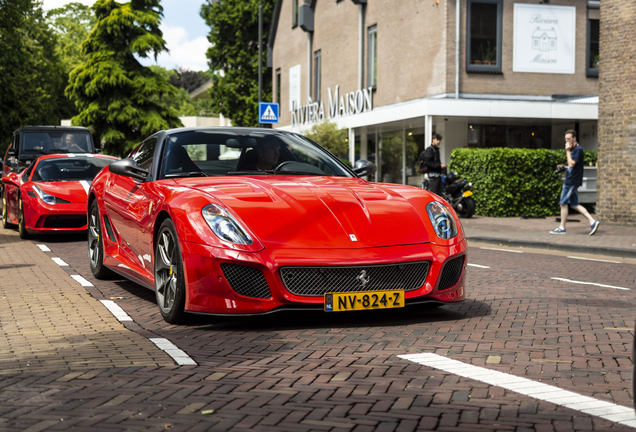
(40, 217)
(208, 290)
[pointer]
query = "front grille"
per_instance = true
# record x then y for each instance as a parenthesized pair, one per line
(65, 221)
(317, 281)
(246, 281)
(451, 273)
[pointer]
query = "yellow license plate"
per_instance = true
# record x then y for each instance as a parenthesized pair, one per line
(467, 194)
(365, 300)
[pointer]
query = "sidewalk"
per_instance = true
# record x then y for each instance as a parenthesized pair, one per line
(612, 240)
(49, 322)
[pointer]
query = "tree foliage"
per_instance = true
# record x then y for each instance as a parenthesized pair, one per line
(330, 137)
(180, 100)
(30, 71)
(513, 182)
(71, 25)
(233, 57)
(188, 80)
(116, 96)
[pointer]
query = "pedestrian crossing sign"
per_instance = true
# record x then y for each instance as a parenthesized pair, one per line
(267, 112)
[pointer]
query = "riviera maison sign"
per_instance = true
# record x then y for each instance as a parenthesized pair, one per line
(339, 106)
(544, 39)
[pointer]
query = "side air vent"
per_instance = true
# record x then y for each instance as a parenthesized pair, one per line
(109, 229)
(246, 281)
(451, 273)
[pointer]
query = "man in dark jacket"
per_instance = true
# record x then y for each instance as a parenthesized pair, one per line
(430, 159)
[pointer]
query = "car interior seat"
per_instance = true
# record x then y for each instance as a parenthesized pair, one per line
(179, 161)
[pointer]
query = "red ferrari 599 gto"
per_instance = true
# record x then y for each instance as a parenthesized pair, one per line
(50, 194)
(250, 221)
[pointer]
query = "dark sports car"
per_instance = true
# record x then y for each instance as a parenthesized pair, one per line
(250, 221)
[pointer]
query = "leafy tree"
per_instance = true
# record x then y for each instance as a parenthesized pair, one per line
(30, 71)
(233, 57)
(71, 24)
(187, 79)
(115, 94)
(330, 137)
(180, 101)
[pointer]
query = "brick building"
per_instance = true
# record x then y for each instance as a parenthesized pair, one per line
(617, 124)
(393, 72)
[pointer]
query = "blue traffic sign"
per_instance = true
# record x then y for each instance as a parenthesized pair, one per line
(267, 112)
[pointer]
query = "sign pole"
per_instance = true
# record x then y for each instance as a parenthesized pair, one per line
(260, 50)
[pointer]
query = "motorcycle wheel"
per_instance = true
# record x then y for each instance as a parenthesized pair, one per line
(466, 208)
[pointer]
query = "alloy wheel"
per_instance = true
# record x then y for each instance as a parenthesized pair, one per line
(166, 268)
(93, 237)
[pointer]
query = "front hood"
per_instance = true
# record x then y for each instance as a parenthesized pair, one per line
(72, 191)
(319, 212)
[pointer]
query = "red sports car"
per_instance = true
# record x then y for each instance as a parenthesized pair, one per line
(50, 194)
(250, 221)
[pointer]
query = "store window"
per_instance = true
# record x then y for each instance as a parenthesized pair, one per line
(278, 88)
(593, 32)
(372, 69)
(317, 69)
(294, 13)
(483, 44)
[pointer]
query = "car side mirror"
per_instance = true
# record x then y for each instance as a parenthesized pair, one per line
(364, 168)
(128, 168)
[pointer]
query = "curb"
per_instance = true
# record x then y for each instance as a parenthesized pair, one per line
(597, 250)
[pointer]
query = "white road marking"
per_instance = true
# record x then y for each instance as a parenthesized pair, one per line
(59, 262)
(179, 356)
(591, 283)
(477, 265)
(83, 282)
(536, 390)
(593, 259)
(85, 185)
(116, 310)
(503, 250)
(44, 248)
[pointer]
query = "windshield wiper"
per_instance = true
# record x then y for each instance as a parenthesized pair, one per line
(187, 174)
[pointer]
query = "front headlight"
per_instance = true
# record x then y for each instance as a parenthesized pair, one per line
(49, 199)
(224, 225)
(442, 220)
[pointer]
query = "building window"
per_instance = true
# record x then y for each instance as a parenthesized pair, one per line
(593, 16)
(372, 69)
(294, 13)
(278, 87)
(317, 70)
(483, 44)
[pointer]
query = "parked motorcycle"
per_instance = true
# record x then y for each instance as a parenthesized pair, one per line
(458, 194)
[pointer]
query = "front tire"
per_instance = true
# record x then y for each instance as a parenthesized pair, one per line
(169, 278)
(96, 244)
(466, 208)
(21, 224)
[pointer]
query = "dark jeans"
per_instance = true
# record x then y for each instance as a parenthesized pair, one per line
(435, 185)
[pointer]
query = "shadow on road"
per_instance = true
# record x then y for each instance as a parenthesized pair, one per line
(312, 319)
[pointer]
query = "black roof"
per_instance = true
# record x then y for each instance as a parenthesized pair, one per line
(51, 128)
(232, 129)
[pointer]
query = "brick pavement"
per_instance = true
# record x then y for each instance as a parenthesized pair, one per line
(50, 322)
(613, 240)
(297, 371)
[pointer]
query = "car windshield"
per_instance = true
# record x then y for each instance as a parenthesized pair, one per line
(57, 142)
(69, 169)
(207, 153)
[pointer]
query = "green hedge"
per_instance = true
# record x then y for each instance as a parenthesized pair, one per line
(513, 182)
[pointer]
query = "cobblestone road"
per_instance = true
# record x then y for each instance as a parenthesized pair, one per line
(312, 371)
